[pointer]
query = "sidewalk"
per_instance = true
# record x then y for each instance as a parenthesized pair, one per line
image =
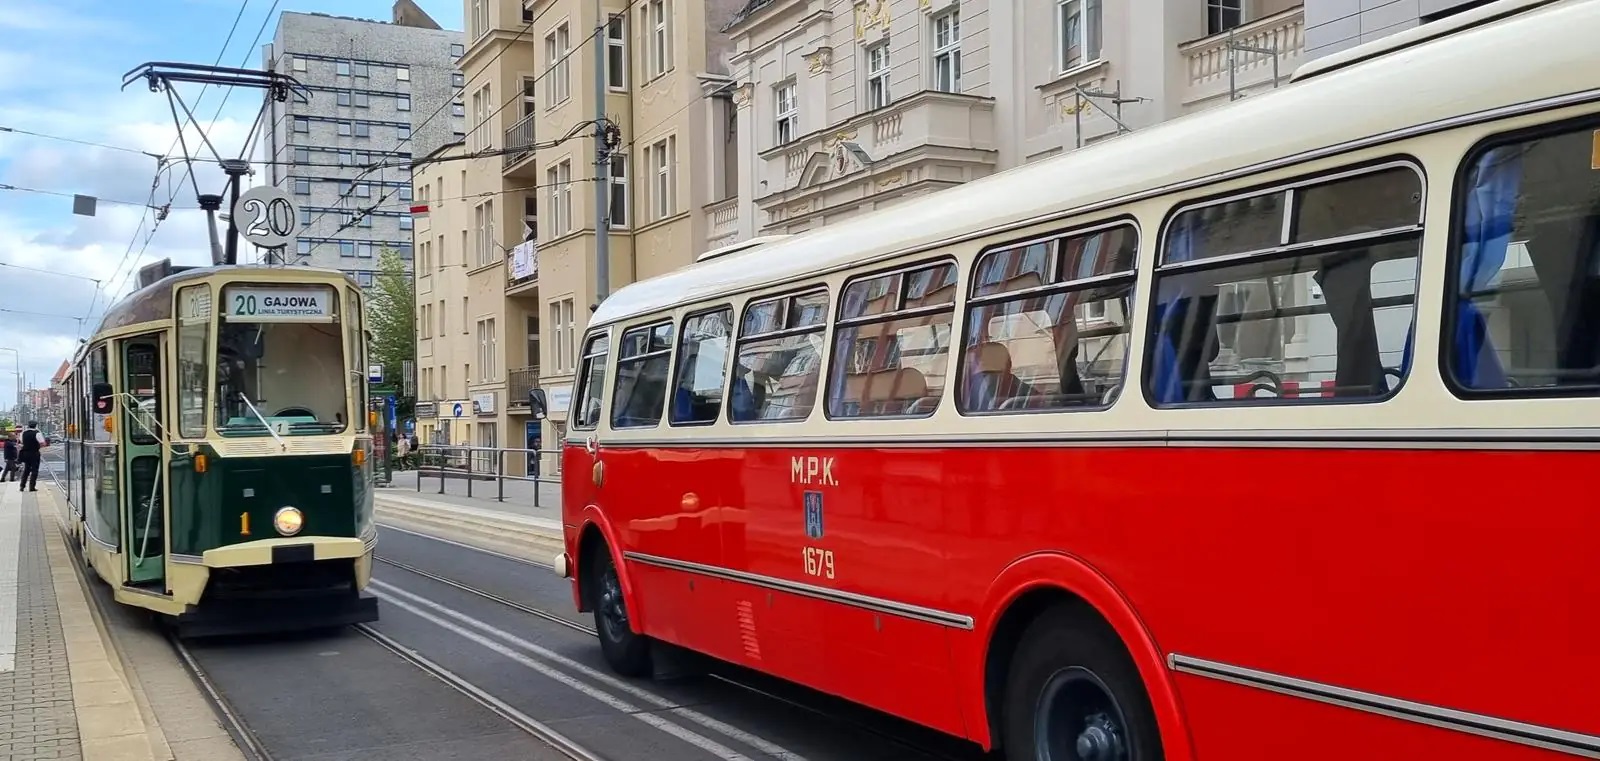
(514, 527)
(62, 693)
(521, 498)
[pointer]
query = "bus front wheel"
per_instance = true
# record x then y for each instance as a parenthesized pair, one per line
(626, 652)
(1074, 694)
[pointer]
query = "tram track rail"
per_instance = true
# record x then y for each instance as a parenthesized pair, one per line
(564, 621)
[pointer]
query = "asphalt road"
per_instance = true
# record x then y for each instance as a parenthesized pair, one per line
(342, 695)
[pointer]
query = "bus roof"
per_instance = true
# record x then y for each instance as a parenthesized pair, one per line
(1406, 92)
(154, 301)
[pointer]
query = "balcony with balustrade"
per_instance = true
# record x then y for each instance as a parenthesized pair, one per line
(518, 159)
(1246, 59)
(894, 150)
(520, 381)
(723, 223)
(522, 270)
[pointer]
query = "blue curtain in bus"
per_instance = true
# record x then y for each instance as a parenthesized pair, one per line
(1492, 196)
(1166, 377)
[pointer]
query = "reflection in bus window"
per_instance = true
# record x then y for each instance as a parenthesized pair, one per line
(286, 375)
(1526, 271)
(642, 364)
(1047, 326)
(592, 377)
(1322, 313)
(702, 367)
(142, 385)
(892, 344)
(776, 373)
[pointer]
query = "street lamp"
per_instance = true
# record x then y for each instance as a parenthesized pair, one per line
(17, 356)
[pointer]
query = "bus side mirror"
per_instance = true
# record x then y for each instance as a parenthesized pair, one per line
(102, 395)
(536, 403)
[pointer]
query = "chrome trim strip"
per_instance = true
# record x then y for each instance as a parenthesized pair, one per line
(187, 559)
(877, 604)
(1376, 438)
(89, 532)
(1562, 741)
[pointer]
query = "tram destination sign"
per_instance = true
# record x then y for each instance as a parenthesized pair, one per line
(279, 304)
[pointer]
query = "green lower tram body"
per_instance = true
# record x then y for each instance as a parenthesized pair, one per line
(216, 560)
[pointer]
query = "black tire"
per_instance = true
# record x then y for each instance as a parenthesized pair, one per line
(1073, 694)
(627, 653)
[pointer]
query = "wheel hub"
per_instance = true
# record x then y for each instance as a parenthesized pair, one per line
(1078, 719)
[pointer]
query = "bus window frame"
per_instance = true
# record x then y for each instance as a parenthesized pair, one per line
(1449, 289)
(825, 328)
(648, 326)
(1284, 250)
(677, 359)
(352, 324)
(1131, 277)
(581, 383)
(835, 324)
(208, 361)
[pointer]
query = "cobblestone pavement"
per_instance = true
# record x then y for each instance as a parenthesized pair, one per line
(37, 719)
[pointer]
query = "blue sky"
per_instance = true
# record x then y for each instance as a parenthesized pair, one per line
(61, 67)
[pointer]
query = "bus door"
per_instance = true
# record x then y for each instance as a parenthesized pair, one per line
(140, 436)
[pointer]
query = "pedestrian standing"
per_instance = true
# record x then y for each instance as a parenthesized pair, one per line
(12, 452)
(32, 443)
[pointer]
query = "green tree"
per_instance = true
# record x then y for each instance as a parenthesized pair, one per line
(391, 317)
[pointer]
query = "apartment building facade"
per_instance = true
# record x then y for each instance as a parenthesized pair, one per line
(526, 236)
(379, 93)
(845, 107)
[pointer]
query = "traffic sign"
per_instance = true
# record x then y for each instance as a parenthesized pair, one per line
(266, 216)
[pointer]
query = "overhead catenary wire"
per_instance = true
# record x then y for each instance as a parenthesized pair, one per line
(49, 272)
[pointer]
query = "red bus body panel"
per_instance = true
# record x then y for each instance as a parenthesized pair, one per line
(1456, 578)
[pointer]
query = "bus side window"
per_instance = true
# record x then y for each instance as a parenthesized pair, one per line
(702, 367)
(1523, 316)
(1301, 294)
(1047, 325)
(891, 345)
(777, 364)
(592, 379)
(642, 364)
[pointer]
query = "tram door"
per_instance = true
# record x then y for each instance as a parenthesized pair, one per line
(140, 434)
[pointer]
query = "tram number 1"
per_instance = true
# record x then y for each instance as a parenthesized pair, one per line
(819, 562)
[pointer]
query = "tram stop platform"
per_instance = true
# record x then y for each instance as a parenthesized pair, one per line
(68, 686)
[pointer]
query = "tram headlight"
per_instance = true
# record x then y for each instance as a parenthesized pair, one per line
(288, 521)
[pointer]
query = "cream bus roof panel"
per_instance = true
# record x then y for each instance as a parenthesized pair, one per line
(1475, 71)
(154, 301)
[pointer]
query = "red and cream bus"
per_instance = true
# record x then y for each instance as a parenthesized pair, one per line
(1258, 434)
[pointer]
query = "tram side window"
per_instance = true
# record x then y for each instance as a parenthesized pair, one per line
(1048, 323)
(591, 380)
(142, 382)
(1302, 294)
(778, 361)
(643, 361)
(1525, 273)
(702, 367)
(892, 344)
(194, 342)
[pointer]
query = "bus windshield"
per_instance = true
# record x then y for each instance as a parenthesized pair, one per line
(284, 378)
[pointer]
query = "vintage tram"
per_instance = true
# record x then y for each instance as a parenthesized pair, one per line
(219, 464)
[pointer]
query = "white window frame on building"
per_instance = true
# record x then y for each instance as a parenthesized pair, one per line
(877, 75)
(482, 106)
(302, 125)
(487, 347)
(530, 99)
(559, 180)
(658, 45)
(662, 157)
(479, 18)
(402, 74)
(1079, 33)
(563, 346)
(483, 225)
(618, 197)
(617, 54)
(558, 74)
(402, 103)
(1222, 15)
(296, 63)
(785, 113)
(946, 74)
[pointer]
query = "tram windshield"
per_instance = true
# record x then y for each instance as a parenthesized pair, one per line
(277, 374)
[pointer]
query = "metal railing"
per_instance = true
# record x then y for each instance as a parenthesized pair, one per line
(519, 382)
(519, 140)
(472, 464)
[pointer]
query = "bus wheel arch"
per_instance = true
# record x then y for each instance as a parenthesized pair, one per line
(604, 589)
(597, 539)
(1044, 585)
